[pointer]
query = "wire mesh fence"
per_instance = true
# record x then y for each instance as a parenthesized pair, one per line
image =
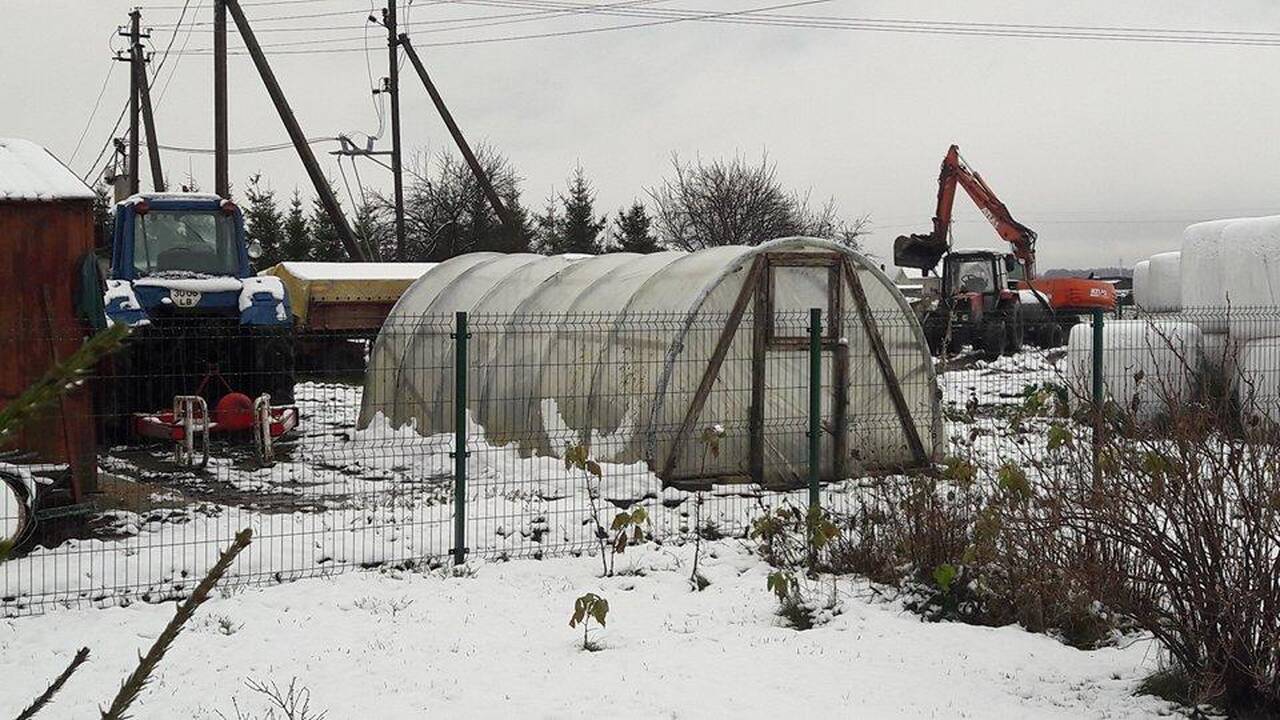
(359, 460)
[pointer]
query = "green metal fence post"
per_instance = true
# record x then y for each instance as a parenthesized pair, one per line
(815, 403)
(460, 453)
(1098, 398)
(1097, 360)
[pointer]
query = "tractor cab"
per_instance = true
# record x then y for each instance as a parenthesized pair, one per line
(978, 272)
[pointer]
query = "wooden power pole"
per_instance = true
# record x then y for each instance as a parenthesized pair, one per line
(323, 191)
(393, 86)
(135, 59)
(221, 164)
(481, 176)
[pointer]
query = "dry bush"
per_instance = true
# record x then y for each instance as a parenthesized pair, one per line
(1184, 525)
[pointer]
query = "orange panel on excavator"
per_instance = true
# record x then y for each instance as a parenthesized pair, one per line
(1076, 294)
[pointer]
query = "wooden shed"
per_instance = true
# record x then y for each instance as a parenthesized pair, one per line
(46, 227)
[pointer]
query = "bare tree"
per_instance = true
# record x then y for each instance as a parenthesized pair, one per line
(447, 214)
(735, 202)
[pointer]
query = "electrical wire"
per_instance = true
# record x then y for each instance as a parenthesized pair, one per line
(120, 118)
(762, 16)
(174, 70)
(93, 113)
(247, 150)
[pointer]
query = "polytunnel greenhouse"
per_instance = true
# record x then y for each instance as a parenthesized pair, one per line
(696, 364)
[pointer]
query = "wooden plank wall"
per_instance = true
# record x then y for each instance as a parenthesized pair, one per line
(41, 245)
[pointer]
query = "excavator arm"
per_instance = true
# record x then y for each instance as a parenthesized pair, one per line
(924, 251)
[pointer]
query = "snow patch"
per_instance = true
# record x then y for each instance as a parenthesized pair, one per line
(261, 284)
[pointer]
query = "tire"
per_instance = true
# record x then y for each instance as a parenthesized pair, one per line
(1013, 341)
(994, 334)
(274, 364)
(935, 334)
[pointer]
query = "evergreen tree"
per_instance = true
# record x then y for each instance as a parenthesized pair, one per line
(578, 229)
(264, 222)
(325, 245)
(103, 216)
(633, 232)
(297, 233)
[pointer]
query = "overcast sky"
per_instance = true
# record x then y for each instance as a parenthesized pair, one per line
(1108, 149)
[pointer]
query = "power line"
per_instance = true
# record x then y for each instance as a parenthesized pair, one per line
(761, 16)
(247, 150)
(94, 112)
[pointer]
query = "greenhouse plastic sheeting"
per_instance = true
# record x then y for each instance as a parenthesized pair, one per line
(608, 351)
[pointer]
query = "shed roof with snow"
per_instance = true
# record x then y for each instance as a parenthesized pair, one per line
(29, 173)
(649, 358)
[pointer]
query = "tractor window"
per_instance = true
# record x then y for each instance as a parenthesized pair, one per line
(199, 242)
(971, 275)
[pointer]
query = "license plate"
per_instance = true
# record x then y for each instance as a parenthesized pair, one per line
(184, 298)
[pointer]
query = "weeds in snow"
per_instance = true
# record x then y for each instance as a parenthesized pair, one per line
(589, 606)
(794, 542)
(288, 703)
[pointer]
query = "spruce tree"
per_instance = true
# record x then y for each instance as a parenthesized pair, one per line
(297, 233)
(633, 231)
(570, 224)
(325, 245)
(581, 229)
(264, 222)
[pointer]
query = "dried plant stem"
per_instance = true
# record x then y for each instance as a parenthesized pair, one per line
(134, 684)
(47, 696)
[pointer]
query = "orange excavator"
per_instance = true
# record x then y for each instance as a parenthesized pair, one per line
(990, 300)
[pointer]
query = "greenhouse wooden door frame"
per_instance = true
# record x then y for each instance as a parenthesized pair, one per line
(757, 289)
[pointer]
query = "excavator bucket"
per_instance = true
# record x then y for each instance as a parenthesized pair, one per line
(918, 251)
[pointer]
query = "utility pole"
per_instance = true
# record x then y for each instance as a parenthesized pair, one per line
(393, 86)
(323, 191)
(221, 166)
(463, 147)
(149, 124)
(135, 59)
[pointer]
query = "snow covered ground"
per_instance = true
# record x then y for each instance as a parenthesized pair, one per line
(497, 644)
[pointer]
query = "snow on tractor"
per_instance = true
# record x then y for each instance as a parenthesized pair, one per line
(206, 332)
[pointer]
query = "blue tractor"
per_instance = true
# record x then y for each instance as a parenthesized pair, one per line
(203, 324)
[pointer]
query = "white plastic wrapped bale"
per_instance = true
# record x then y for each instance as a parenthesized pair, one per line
(1164, 283)
(1204, 281)
(1141, 283)
(1147, 365)
(1232, 271)
(1258, 381)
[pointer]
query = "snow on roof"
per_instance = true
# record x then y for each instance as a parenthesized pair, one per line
(30, 173)
(356, 271)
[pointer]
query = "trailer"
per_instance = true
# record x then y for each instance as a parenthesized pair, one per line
(338, 308)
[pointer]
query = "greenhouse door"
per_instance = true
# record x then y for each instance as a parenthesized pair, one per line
(789, 286)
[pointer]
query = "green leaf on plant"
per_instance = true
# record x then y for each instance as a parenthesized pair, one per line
(944, 575)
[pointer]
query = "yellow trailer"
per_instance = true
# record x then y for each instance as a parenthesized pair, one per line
(344, 298)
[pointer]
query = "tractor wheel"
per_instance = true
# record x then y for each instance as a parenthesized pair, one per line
(935, 334)
(274, 365)
(1013, 342)
(993, 339)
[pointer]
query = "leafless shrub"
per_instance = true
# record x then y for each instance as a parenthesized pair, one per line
(735, 202)
(289, 703)
(1184, 525)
